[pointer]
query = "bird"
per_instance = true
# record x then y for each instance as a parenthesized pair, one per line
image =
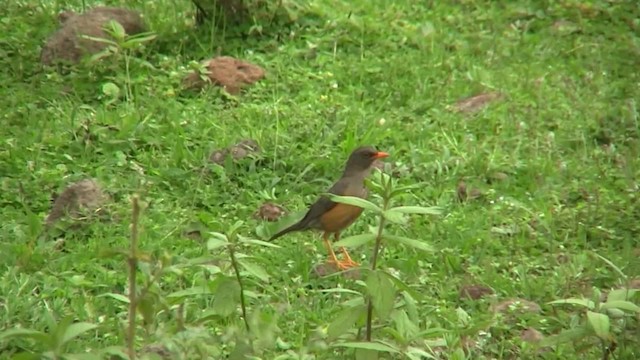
(331, 217)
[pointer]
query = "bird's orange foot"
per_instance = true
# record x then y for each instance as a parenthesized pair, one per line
(344, 264)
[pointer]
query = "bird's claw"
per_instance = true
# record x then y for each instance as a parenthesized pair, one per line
(345, 264)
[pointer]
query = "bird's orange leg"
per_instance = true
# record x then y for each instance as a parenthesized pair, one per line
(332, 255)
(347, 262)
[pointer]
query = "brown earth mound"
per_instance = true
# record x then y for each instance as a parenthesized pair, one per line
(68, 45)
(230, 73)
(78, 199)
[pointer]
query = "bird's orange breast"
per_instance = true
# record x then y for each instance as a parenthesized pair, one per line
(339, 217)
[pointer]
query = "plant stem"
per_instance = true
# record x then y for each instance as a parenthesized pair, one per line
(236, 270)
(374, 258)
(133, 264)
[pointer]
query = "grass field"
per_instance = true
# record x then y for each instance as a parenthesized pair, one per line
(554, 159)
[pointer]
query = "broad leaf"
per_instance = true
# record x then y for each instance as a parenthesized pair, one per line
(600, 324)
(395, 217)
(18, 333)
(417, 244)
(193, 291)
(254, 269)
(382, 292)
(402, 286)
(612, 265)
(566, 336)
(217, 241)
(414, 353)
(622, 305)
(119, 297)
(355, 241)
(366, 354)
(432, 210)
(621, 294)
(76, 329)
(574, 301)
(258, 242)
(355, 201)
(373, 345)
(224, 302)
(345, 321)
(407, 328)
(81, 356)
(116, 29)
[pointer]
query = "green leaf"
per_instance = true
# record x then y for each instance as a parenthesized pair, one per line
(566, 336)
(81, 356)
(224, 302)
(141, 38)
(111, 90)
(258, 242)
(366, 354)
(621, 294)
(373, 345)
(116, 29)
(414, 353)
(600, 324)
(402, 189)
(19, 333)
(432, 210)
(147, 307)
(345, 321)
(27, 356)
(395, 217)
(193, 291)
(217, 241)
(612, 265)
(382, 292)
(254, 269)
(417, 244)
(118, 297)
(75, 330)
(100, 40)
(355, 241)
(574, 301)
(355, 201)
(403, 286)
(407, 328)
(622, 305)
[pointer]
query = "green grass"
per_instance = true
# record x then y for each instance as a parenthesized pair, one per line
(565, 133)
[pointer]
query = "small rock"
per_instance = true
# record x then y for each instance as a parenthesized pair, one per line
(269, 212)
(474, 292)
(461, 191)
(324, 269)
(229, 73)
(476, 103)
(562, 258)
(531, 335)
(244, 148)
(497, 176)
(238, 151)
(218, 156)
(516, 304)
(80, 198)
(159, 349)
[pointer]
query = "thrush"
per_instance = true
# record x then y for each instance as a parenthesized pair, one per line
(332, 217)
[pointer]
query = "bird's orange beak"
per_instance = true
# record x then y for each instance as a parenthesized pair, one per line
(380, 155)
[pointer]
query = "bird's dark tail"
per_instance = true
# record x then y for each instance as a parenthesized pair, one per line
(300, 225)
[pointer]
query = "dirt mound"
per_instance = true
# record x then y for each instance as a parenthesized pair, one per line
(230, 73)
(80, 198)
(67, 44)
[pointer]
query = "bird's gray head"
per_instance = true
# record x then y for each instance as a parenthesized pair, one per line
(361, 159)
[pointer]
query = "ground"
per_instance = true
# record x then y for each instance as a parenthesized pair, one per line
(548, 157)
